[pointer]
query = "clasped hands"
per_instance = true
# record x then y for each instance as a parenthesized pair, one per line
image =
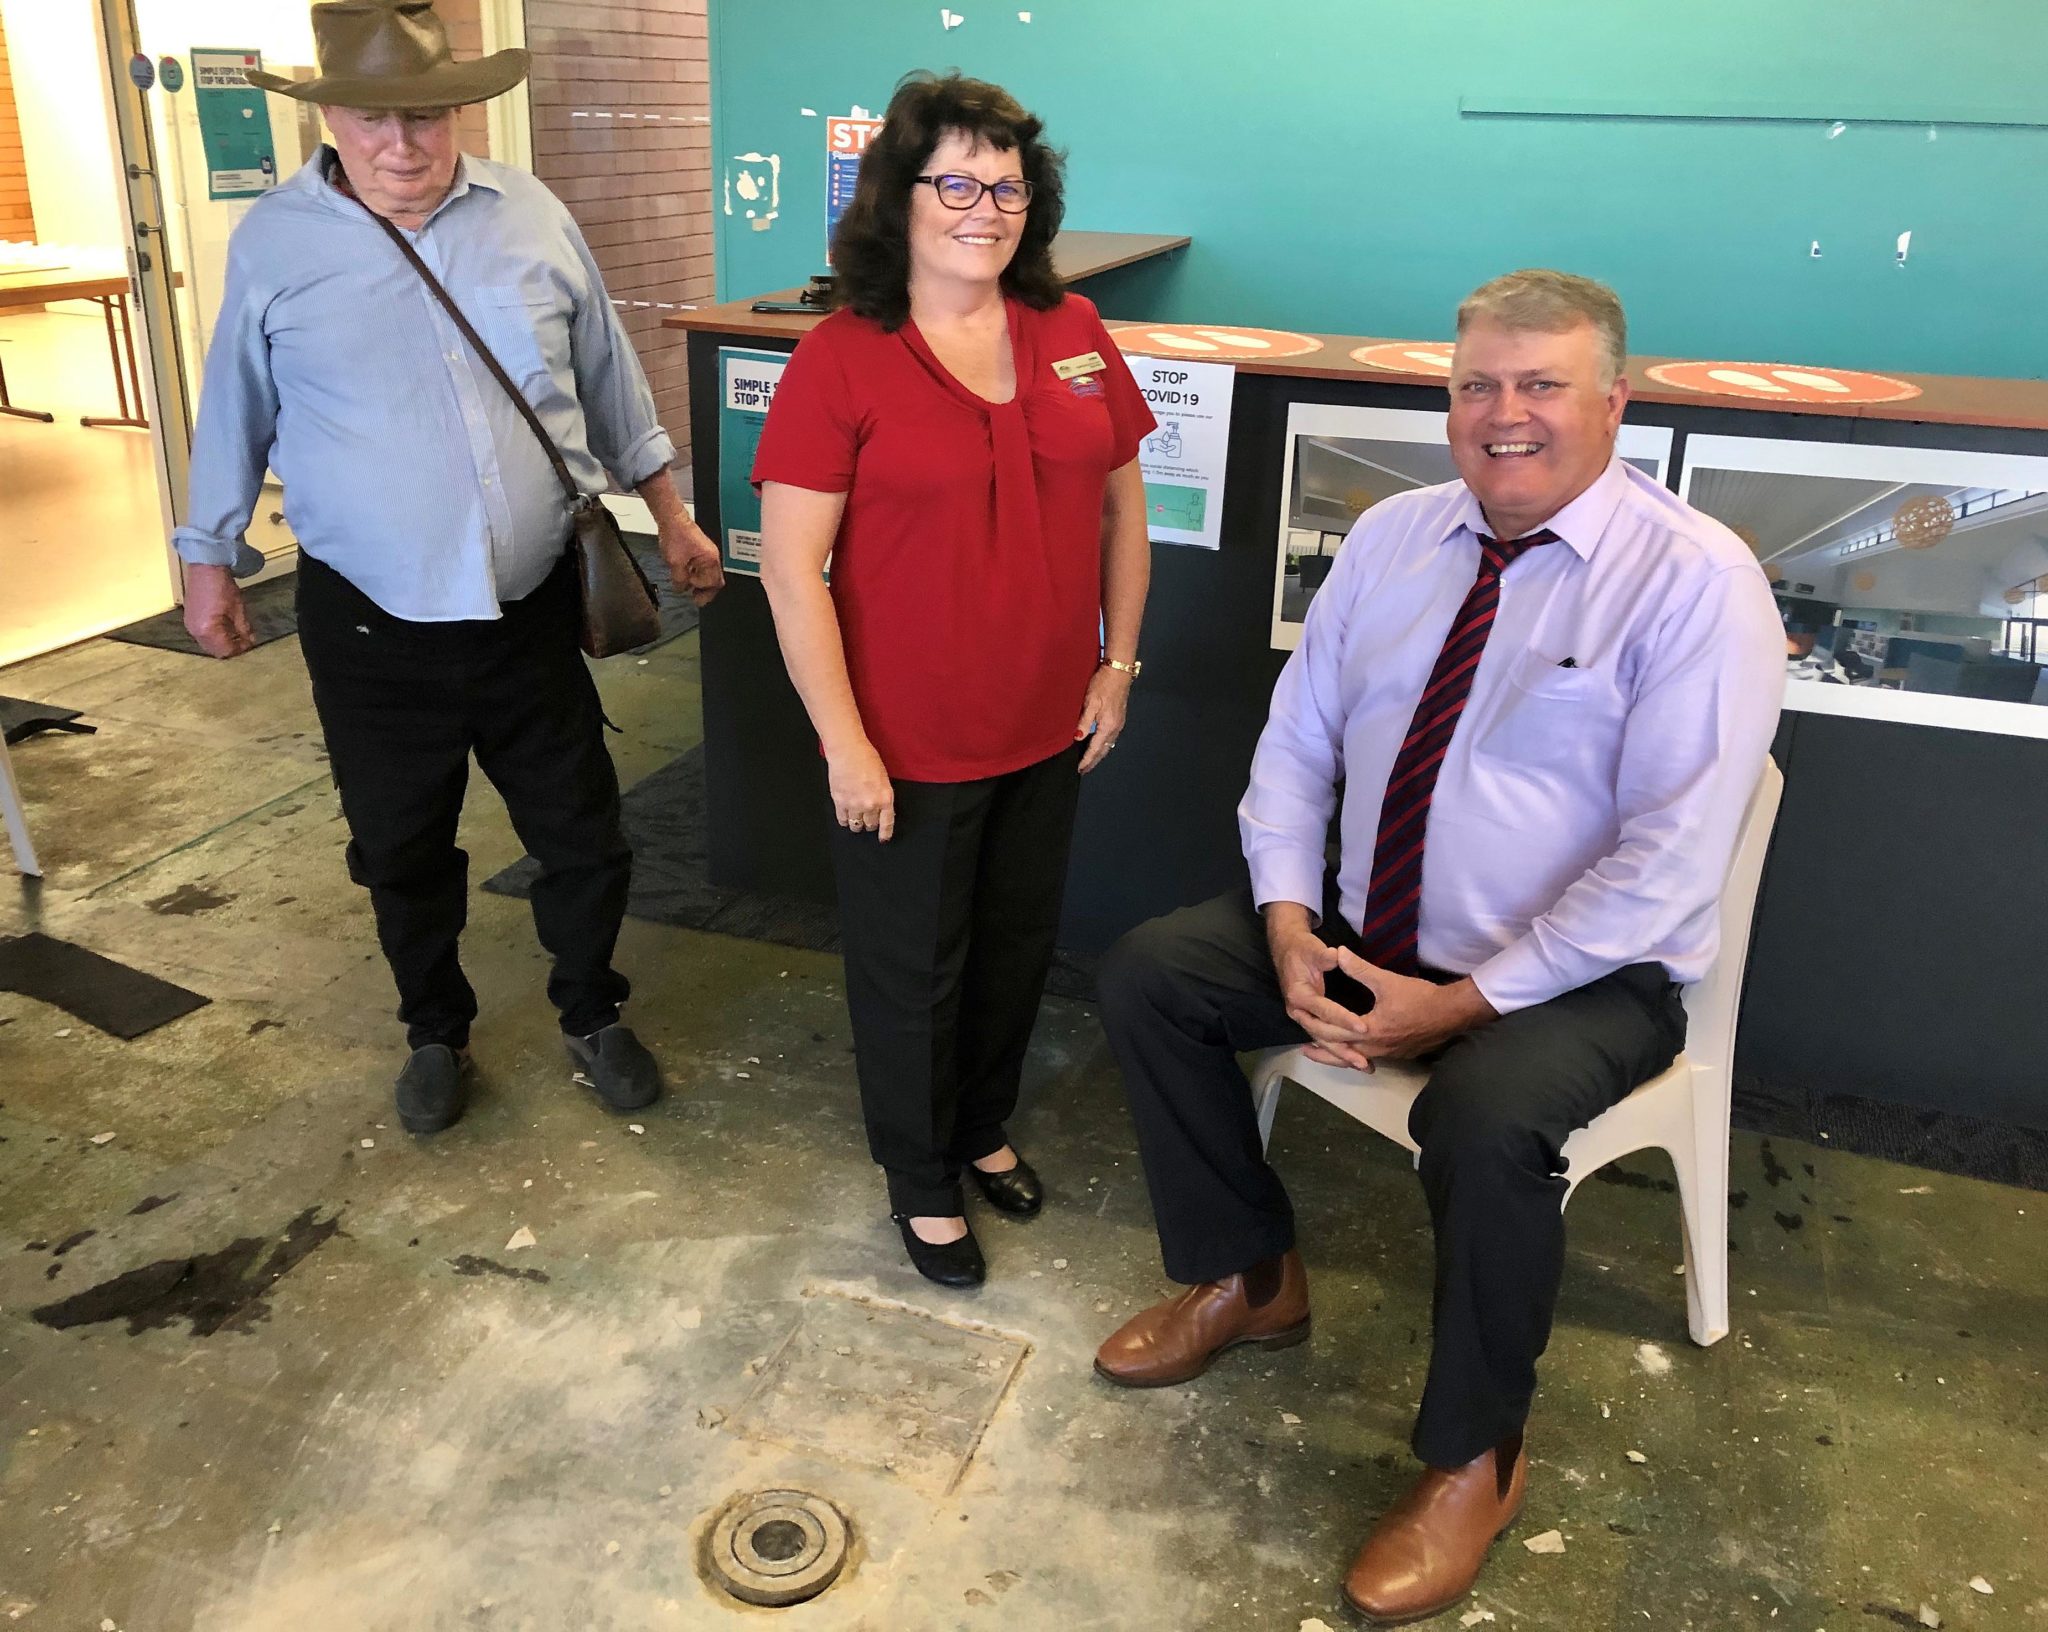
(1409, 1016)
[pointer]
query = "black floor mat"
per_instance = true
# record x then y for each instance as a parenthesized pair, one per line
(21, 719)
(664, 819)
(273, 615)
(120, 1001)
(1910, 1134)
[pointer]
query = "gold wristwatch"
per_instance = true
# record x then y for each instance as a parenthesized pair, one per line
(1131, 668)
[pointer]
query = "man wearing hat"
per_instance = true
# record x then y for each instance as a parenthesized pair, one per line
(438, 604)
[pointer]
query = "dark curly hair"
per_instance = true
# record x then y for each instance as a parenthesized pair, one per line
(871, 248)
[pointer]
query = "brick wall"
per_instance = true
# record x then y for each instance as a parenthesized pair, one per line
(639, 186)
(466, 39)
(16, 221)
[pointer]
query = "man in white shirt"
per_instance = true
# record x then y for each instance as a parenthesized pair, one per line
(1566, 681)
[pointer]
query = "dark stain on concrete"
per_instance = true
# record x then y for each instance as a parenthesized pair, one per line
(71, 1241)
(35, 1246)
(1614, 1174)
(227, 1290)
(1823, 1439)
(53, 1272)
(1738, 1199)
(1775, 1171)
(149, 1204)
(1788, 1222)
(470, 1264)
(1898, 1617)
(1843, 1218)
(186, 900)
(258, 1028)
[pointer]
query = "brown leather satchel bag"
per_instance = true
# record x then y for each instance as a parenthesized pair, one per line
(621, 608)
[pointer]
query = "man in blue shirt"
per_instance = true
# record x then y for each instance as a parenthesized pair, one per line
(438, 607)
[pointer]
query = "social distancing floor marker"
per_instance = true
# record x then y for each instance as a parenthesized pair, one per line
(1220, 345)
(1783, 382)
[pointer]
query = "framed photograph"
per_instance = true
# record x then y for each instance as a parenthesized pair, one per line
(1913, 582)
(1341, 461)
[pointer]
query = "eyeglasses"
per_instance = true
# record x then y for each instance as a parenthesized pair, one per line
(964, 192)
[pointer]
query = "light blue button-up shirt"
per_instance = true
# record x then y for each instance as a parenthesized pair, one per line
(405, 466)
(1588, 806)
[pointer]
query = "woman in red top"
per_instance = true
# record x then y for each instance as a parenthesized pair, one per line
(960, 440)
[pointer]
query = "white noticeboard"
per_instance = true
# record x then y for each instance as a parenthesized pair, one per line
(1183, 459)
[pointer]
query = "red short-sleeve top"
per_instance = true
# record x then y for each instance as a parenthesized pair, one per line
(967, 574)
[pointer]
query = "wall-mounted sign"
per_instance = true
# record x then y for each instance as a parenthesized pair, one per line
(142, 71)
(234, 124)
(845, 141)
(173, 74)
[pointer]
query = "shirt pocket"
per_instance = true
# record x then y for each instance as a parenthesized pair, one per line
(1562, 721)
(526, 325)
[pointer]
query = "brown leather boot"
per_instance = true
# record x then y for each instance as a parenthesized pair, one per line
(1424, 1555)
(1175, 1341)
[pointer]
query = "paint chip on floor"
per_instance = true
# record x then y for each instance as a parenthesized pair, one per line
(521, 1238)
(1549, 1544)
(1653, 1360)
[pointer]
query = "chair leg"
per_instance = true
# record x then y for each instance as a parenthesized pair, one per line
(1703, 1198)
(1266, 1081)
(17, 822)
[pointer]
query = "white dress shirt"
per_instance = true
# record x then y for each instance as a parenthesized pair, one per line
(1586, 812)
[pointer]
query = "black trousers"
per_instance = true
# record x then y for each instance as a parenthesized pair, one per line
(403, 706)
(1184, 994)
(948, 931)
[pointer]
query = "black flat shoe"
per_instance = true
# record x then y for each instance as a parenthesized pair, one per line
(429, 1092)
(1016, 1191)
(950, 1263)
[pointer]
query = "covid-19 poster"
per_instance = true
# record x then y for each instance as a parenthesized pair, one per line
(234, 124)
(747, 382)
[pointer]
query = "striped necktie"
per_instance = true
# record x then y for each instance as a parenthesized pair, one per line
(1393, 902)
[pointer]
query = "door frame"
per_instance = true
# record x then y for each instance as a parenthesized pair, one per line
(165, 390)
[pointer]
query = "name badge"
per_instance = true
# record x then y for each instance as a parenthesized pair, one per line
(1069, 368)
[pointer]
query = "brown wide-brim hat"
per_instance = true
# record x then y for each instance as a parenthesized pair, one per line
(392, 56)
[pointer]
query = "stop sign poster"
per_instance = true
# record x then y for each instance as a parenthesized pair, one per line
(1183, 459)
(845, 141)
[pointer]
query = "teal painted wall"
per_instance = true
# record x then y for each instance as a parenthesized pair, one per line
(1316, 152)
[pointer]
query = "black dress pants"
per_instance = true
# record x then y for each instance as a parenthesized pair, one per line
(403, 706)
(948, 931)
(1184, 994)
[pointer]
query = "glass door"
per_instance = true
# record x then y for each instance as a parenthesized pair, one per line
(215, 146)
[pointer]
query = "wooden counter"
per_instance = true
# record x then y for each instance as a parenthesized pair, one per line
(1943, 399)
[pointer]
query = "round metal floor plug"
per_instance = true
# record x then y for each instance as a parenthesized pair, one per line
(777, 1547)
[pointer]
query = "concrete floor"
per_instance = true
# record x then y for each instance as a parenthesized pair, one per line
(401, 1423)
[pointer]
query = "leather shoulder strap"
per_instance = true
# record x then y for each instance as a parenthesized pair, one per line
(574, 493)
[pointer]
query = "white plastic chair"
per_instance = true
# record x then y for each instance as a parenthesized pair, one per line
(17, 821)
(1683, 1111)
